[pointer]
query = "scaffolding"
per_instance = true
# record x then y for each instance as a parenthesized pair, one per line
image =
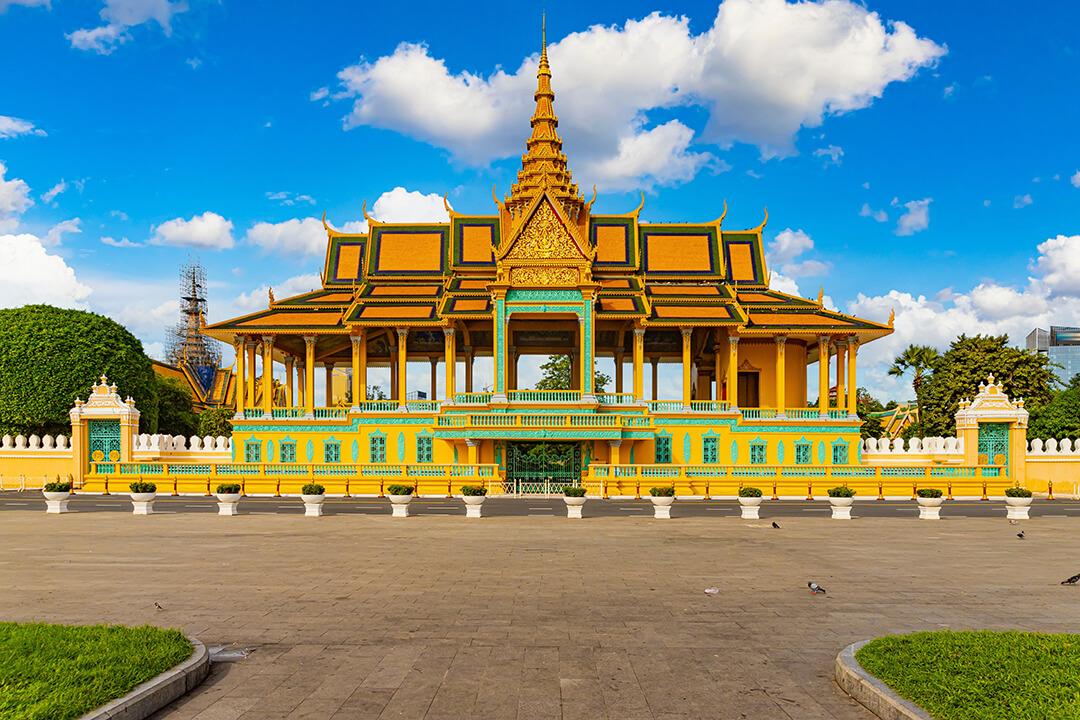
(187, 345)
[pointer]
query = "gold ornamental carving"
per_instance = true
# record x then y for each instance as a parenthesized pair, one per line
(544, 238)
(543, 276)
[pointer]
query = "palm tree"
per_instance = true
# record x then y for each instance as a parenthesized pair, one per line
(919, 361)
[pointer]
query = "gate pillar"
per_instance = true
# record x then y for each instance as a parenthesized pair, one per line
(994, 431)
(102, 406)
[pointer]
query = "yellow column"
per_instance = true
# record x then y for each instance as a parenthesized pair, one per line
(240, 395)
(718, 370)
(299, 383)
(468, 368)
(615, 458)
(620, 356)
(268, 376)
(655, 377)
(781, 376)
(329, 368)
(511, 367)
(309, 377)
(474, 451)
(288, 382)
(583, 355)
(357, 388)
(823, 376)
(853, 391)
(363, 365)
(639, 364)
(841, 368)
(434, 378)
(687, 381)
(733, 372)
(450, 357)
(402, 360)
(393, 373)
(250, 347)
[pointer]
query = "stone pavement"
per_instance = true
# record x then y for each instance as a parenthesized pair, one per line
(443, 617)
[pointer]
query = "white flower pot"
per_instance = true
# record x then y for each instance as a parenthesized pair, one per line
(929, 508)
(662, 506)
(399, 504)
(573, 506)
(841, 507)
(750, 507)
(143, 503)
(313, 505)
(1017, 507)
(228, 503)
(56, 502)
(473, 503)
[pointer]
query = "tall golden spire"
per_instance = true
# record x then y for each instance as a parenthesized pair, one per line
(544, 166)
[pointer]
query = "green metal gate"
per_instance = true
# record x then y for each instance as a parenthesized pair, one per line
(104, 440)
(994, 444)
(534, 468)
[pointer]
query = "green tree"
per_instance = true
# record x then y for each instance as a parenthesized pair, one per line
(917, 361)
(865, 405)
(374, 392)
(969, 360)
(216, 422)
(556, 375)
(49, 356)
(1060, 418)
(176, 414)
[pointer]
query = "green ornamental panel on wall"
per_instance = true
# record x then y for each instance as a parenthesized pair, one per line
(269, 451)
(401, 447)
(734, 452)
(355, 451)
(780, 453)
(821, 452)
(310, 451)
(686, 449)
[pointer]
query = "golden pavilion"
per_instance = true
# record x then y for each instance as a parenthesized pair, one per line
(543, 275)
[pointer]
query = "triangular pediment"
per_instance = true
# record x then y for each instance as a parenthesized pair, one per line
(545, 235)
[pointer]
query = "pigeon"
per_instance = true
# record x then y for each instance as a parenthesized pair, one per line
(712, 591)
(1072, 581)
(776, 525)
(815, 588)
(158, 606)
(1020, 534)
(1013, 522)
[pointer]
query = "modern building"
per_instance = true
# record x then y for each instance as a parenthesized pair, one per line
(1062, 346)
(541, 274)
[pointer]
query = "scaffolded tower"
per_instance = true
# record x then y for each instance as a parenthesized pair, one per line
(187, 345)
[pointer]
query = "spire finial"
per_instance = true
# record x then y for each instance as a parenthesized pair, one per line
(543, 33)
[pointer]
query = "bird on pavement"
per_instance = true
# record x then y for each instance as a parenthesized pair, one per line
(1072, 581)
(1021, 534)
(1013, 522)
(158, 606)
(776, 526)
(815, 588)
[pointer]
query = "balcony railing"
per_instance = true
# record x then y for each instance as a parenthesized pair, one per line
(665, 406)
(546, 420)
(710, 406)
(430, 406)
(616, 398)
(379, 406)
(472, 398)
(542, 396)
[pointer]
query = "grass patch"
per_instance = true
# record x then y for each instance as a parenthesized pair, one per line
(57, 672)
(981, 675)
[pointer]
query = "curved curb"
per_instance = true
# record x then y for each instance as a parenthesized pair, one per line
(157, 692)
(871, 692)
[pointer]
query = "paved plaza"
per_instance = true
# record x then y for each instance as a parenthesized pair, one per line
(533, 617)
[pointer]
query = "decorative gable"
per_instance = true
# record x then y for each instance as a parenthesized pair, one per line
(544, 249)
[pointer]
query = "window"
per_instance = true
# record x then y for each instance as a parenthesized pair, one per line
(378, 449)
(757, 453)
(252, 452)
(802, 454)
(710, 451)
(663, 450)
(332, 452)
(839, 454)
(423, 449)
(288, 452)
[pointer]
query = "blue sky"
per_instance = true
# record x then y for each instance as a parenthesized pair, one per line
(914, 156)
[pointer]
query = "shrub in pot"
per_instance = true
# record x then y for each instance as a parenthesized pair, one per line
(474, 496)
(929, 500)
(574, 497)
(142, 497)
(662, 497)
(1018, 502)
(313, 496)
(750, 501)
(228, 495)
(56, 497)
(841, 499)
(400, 497)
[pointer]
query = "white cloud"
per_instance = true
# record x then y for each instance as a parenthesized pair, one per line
(121, 243)
(29, 274)
(54, 191)
(1022, 201)
(788, 245)
(56, 235)
(194, 63)
(916, 219)
(763, 70)
(292, 237)
(259, 298)
(287, 198)
(14, 195)
(949, 90)
(5, 4)
(208, 231)
(659, 156)
(119, 214)
(320, 93)
(1075, 179)
(986, 203)
(833, 152)
(1059, 264)
(155, 350)
(781, 253)
(121, 15)
(355, 226)
(12, 126)
(400, 205)
(807, 268)
(754, 175)
(878, 215)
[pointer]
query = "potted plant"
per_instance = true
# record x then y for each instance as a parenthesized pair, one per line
(142, 497)
(574, 497)
(313, 496)
(56, 497)
(750, 500)
(841, 498)
(228, 495)
(662, 497)
(929, 503)
(1018, 502)
(474, 496)
(400, 497)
